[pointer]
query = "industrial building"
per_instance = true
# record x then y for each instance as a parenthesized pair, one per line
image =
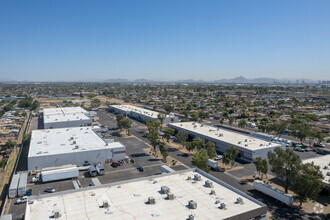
(141, 114)
(66, 117)
(186, 194)
(249, 147)
(324, 163)
(61, 146)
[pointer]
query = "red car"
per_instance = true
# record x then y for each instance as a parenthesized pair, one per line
(114, 164)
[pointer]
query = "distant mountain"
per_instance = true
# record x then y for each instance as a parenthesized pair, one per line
(242, 79)
(118, 80)
(143, 81)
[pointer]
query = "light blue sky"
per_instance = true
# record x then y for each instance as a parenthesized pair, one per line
(164, 39)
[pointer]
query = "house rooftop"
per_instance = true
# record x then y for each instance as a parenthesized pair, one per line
(66, 140)
(129, 200)
(224, 135)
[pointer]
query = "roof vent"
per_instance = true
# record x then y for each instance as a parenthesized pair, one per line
(189, 178)
(71, 138)
(105, 204)
(239, 142)
(212, 192)
(239, 200)
(151, 200)
(208, 183)
(165, 189)
(246, 140)
(222, 206)
(170, 196)
(192, 204)
(191, 217)
(76, 147)
(74, 142)
(198, 177)
(57, 214)
(246, 145)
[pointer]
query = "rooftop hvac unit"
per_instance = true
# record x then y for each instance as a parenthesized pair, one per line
(198, 177)
(191, 217)
(74, 142)
(189, 178)
(151, 200)
(76, 147)
(245, 140)
(71, 138)
(170, 196)
(239, 200)
(57, 214)
(212, 192)
(208, 183)
(165, 189)
(222, 206)
(246, 145)
(192, 204)
(239, 142)
(105, 204)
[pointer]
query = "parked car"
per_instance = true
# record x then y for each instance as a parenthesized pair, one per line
(298, 149)
(21, 200)
(86, 163)
(114, 164)
(322, 152)
(50, 189)
(218, 157)
(140, 168)
(29, 192)
(318, 145)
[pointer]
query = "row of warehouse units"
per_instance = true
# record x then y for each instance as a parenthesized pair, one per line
(250, 147)
(186, 194)
(141, 114)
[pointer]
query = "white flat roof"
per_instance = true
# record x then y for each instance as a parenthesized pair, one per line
(52, 118)
(64, 140)
(224, 135)
(142, 111)
(322, 161)
(129, 200)
(65, 110)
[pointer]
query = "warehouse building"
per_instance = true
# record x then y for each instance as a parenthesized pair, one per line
(324, 163)
(66, 117)
(186, 194)
(61, 146)
(141, 114)
(249, 147)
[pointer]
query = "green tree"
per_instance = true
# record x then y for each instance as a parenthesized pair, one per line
(168, 133)
(96, 103)
(182, 138)
(8, 107)
(231, 120)
(211, 152)
(200, 159)
(221, 121)
(198, 143)
(264, 167)
(285, 165)
(195, 116)
(225, 159)
(300, 130)
(10, 144)
(35, 105)
(258, 163)
(24, 114)
(119, 117)
(26, 138)
(163, 150)
(242, 123)
(309, 182)
(126, 124)
(278, 128)
(169, 108)
(232, 153)
(320, 136)
(161, 116)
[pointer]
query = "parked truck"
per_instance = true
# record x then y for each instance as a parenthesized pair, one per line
(21, 190)
(273, 192)
(100, 169)
(213, 164)
(13, 186)
(92, 171)
(59, 173)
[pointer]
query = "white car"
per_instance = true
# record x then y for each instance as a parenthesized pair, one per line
(50, 189)
(21, 200)
(218, 157)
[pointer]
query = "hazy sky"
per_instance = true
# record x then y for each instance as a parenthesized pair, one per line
(164, 39)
